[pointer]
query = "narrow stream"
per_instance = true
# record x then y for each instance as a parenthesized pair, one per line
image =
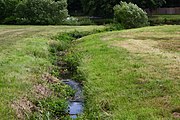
(75, 104)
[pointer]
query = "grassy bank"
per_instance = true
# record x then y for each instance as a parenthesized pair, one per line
(131, 74)
(24, 59)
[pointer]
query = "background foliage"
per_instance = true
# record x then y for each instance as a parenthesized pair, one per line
(130, 15)
(33, 11)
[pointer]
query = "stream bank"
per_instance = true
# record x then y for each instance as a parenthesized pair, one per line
(66, 69)
(66, 100)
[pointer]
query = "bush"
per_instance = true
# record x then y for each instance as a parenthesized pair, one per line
(130, 15)
(102, 21)
(77, 21)
(41, 11)
(112, 27)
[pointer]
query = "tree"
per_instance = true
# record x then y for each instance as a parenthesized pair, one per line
(75, 7)
(172, 3)
(7, 9)
(41, 11)
(2, 9)
(151, 4)
(104, 8)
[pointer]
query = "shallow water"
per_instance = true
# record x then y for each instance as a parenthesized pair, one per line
(76, 104)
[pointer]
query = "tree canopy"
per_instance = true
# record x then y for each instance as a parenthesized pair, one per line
(104, 8)
(33, 11)
(54, 11)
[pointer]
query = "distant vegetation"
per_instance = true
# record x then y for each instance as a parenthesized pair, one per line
(33, 11)
(104, 8)
(43, 12)
(164, 19)
(130, 15)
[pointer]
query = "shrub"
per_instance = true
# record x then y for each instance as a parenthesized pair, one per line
(130, 15)
(78, 21)
(70, 21)
(102, 21)
(41, 11)
(112, 27)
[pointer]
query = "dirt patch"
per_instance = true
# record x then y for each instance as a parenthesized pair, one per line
(49, 78)
(176, 114)
(137, 46)
(170, 45)
(146, 47)
(10, 31)
(22, 107)
(154, 56)
(42, 91)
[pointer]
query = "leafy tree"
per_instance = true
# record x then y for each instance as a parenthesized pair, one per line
(151, 4)
(7, 9)
(104, 8)
(75, 7)
(41, 11)
(2, 9)
(172, 3)
(33, 11)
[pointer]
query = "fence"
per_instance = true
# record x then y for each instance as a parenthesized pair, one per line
(173, 10)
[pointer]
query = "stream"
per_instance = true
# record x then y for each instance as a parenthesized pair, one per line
(76, 103)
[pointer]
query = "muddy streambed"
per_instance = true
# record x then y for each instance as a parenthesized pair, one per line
(76, 103)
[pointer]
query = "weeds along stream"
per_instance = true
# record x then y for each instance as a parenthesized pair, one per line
(66, 70)
(64, 81)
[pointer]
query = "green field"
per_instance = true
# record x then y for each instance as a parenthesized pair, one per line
(129, 74)
(132, 74)
(24, 58)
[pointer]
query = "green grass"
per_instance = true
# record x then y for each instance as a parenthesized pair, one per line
(131, 74)
(164, 19)
(24, 58)
(167, 16)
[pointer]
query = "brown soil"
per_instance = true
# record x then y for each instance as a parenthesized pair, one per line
(49, 78)
(176, 115)
(22, 107)
(41, 91)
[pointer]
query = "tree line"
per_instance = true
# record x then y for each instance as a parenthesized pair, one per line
(54, 11)
(104, 8)
(33, 11)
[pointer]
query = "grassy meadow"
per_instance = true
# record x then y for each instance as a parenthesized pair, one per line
(132, 74)
(24, 58)
(129, 74)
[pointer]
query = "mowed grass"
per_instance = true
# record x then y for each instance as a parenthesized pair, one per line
(132, 74)
(24, 58)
